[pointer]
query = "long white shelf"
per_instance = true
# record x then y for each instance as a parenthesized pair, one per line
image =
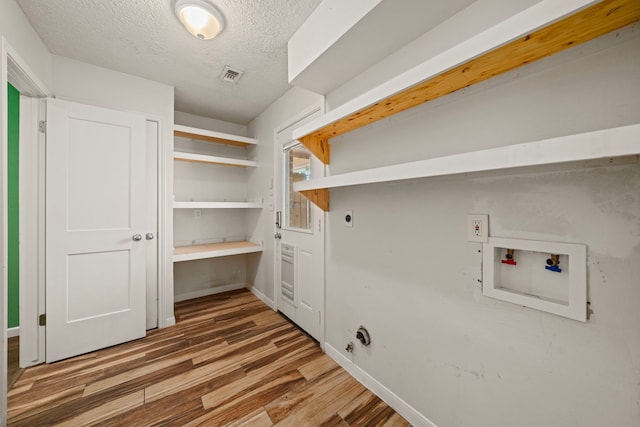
(201, 158)
(214, 250)
(217, 205)
(212, 136)
(607, 143)
(513, 28)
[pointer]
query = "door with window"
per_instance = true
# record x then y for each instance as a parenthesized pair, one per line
(299, 234)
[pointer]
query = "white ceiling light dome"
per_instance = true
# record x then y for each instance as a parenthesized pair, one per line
(200, 18)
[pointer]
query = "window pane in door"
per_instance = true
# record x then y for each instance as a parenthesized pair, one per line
(297, 165)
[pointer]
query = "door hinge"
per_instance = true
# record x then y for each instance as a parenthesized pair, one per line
(42, 320)
(42, 126)
(319, 226)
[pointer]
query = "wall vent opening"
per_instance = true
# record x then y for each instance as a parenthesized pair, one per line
(230, 75)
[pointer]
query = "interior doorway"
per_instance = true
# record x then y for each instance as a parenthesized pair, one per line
(13, 70)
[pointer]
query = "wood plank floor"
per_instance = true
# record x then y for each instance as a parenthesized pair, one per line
(229, 361)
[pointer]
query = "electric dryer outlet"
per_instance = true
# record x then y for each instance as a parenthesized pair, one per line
(348, 218)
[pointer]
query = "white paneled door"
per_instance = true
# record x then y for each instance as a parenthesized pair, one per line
(95, 228)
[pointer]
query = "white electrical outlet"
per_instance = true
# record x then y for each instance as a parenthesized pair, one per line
(348, 218)
(478, 228)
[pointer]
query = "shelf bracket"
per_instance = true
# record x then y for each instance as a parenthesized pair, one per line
(319, 197)
(318, 146)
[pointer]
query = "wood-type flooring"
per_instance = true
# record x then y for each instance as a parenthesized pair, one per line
(229, 361)
(13, 360)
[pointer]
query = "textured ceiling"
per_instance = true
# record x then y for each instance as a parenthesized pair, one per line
(144, 38)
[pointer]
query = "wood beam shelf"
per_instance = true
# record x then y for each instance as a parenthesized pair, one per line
(602, 144)
(542, 30)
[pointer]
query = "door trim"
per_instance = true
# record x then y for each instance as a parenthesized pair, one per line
(15, 70)
(32, 237)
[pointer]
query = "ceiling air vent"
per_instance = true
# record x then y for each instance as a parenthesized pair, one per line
(230, 75)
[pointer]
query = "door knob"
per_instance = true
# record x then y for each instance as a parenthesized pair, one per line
(136, 237)
(149, 236)
(277, 236)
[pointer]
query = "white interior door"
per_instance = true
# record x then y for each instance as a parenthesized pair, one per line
(95, 228)
(299, 235)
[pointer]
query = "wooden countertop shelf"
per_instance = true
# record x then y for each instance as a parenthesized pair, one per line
(211, 136)
(602, 144)
(214, 250)
(217, 205)
(214, 160)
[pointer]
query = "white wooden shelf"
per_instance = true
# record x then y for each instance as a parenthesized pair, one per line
(211, 136)
(214, 250)
(217, 205)
(216, 160)
(607, 143)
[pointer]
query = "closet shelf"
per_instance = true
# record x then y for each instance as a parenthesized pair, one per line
(201, 158)
(214, 250)
(601, 144)
(539, 31)
(217, 205)
(211, 136)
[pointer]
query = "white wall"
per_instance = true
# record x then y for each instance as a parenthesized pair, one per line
(17, 30)
(477, 17)
(406, 271)
(89, 84)
(260, 268)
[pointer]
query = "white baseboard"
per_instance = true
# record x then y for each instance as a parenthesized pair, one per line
(168, 322)
(209, 291)
(262, 297)
(390, 398)
(13, 332)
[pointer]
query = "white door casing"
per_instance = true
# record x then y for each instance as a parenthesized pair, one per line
(151, 230)
(95, 208)
(303, 300)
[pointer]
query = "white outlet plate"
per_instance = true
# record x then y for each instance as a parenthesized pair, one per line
(348, 218)
(478, 228)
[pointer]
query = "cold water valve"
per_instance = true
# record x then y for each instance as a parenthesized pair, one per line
(553, 264)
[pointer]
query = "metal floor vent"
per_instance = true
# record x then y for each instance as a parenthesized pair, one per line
(230, 75)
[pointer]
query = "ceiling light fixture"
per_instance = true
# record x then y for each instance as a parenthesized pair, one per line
(200, 18)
